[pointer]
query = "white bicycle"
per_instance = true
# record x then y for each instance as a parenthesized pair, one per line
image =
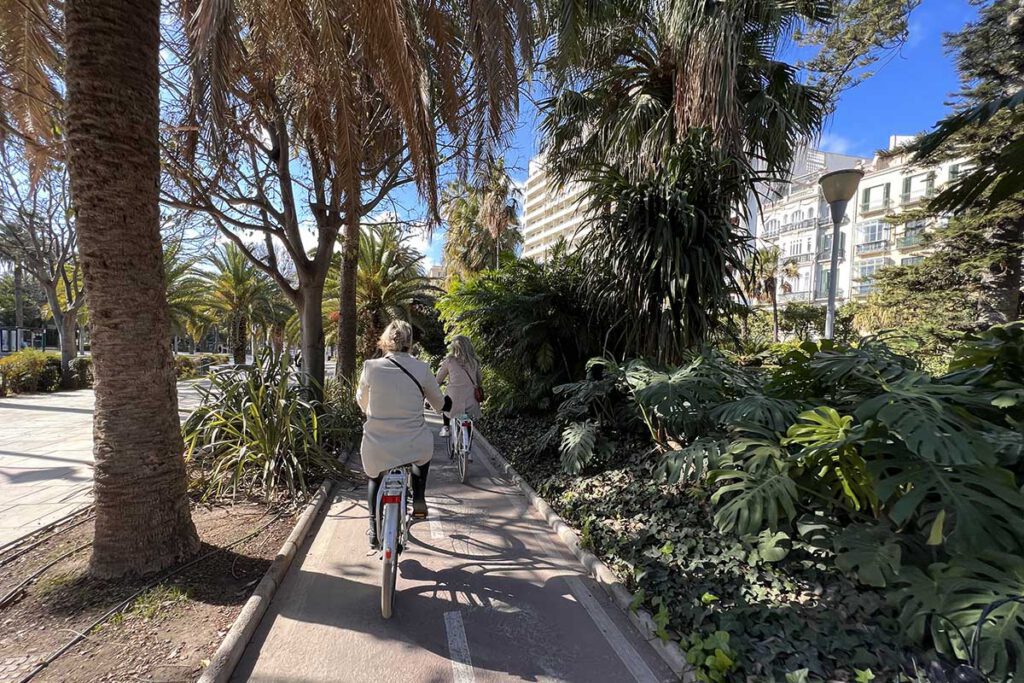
(460, 444)
(392, 530)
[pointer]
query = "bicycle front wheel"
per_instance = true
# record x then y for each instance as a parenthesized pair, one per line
(389, 565)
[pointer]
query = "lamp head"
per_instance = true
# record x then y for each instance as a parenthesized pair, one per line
(840, 186)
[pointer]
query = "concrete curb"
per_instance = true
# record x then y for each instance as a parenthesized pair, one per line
(226, 658)
(641, 619)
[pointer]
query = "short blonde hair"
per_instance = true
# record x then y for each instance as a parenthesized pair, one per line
(397, 336)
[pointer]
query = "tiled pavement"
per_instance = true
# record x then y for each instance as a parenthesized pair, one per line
(46, 457)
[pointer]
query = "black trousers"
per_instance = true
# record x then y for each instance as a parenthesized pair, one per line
(419, 487)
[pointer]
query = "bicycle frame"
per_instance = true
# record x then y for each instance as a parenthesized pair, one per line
(392, 497)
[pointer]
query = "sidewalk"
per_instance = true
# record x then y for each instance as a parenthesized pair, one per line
(486, 592)
(46, 457)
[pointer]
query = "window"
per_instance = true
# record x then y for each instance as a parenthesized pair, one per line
(810, 243)
(826, 243)
(866, 269)
(874, 198)
(911, 260)
(872, 231)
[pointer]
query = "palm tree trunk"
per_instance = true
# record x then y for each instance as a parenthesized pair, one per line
(775, 317)
(239, 343)
(346, 367)
(142, 521)
(68, 349)
(1000, 284)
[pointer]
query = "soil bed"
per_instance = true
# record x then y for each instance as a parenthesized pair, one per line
(167, 634)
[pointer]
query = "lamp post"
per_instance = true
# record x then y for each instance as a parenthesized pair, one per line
(839, 187)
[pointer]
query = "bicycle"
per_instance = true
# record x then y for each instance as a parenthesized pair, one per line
(392, 530)
(460, 444)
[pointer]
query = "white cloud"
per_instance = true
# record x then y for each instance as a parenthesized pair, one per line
(832, 142)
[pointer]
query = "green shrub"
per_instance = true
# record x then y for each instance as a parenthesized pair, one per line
(857, 456)
(256, 433)
(29, 370)
(184, 367)
(341, 421)
(81, 372)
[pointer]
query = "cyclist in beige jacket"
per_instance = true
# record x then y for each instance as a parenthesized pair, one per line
(391, 393)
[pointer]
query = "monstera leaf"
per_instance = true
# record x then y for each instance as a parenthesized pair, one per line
(754, 500)
(578, 442)
(830, 445)
(983, 507)
(933, 420)
(871, 553)
(777, 414)
(693, 462)
(960, 592)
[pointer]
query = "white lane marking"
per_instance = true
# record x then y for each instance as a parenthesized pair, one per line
(436, 529)
(623, 648)
(458, 648)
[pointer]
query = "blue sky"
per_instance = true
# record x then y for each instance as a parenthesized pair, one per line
(908, 93)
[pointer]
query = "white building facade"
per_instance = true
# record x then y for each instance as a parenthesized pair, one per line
(872, 237)
(549, 214)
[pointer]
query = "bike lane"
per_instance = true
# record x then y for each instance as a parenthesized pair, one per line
(486, 592)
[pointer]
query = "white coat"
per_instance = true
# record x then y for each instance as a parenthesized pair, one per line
(395, 432)
(461, 385)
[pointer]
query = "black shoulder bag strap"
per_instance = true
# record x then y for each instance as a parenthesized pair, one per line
(409, 374)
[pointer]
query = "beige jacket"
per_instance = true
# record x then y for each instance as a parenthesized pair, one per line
(395, 432)
(461, 384)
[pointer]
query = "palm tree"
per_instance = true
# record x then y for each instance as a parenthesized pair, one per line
(390, 284)
(241, 294)
(142, 519)
(761, 281)
(187, 292)
(669, 112)
(482, 223)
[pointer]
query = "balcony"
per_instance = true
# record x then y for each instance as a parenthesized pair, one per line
(799, 258)
(825, 254)
(875, 207)
(919, 195)
(875, 247)
(805, 224)
(795, 296)
(912, 241)
(863, 289)
(822, 294)
(826, 222)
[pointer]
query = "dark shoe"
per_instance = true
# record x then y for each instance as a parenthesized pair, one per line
(419, 509)
(372, 533)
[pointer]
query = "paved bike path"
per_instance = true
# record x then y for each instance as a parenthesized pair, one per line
(486, 592)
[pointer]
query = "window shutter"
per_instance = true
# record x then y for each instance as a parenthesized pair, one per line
(906, 186)
(885, 194)
(864, 196)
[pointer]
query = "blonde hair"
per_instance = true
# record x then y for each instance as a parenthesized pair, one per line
(461, 349)
(397, 336)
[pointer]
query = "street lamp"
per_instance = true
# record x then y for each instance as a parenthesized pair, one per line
(839, 187)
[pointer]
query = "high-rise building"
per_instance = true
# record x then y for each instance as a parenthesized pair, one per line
(871, 234)
(549, 214)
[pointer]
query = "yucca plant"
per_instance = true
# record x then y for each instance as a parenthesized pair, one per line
(256, 432)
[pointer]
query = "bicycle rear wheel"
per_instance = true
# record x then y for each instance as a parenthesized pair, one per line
(389, 565)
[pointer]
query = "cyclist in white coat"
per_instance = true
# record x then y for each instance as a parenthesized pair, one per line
(391, 393)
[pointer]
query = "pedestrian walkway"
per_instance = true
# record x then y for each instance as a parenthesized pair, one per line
(46, 456)
(486, 592)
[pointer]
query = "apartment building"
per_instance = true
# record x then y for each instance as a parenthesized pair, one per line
(871, 235)
(549, 214)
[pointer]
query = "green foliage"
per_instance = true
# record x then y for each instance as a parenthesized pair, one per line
(29, 370)
(184, 367)
(711, 656)
(256, 433)
(860, 457)
(529, 326)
